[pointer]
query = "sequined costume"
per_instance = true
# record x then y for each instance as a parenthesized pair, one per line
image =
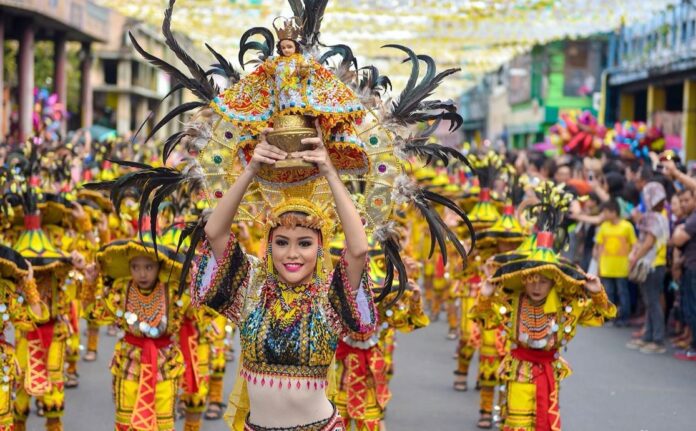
(41, 351)
(150, 325)
(277, 322)
(534, 365)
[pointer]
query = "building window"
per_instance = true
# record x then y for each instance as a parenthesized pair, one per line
(582, 68)
(110, 72)
(135, 74)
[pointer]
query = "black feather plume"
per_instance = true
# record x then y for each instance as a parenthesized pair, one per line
(372, 81)
(196, 233)
(198, 89)
(181, 109)
(433, 151)
(223, 66)
(197, 72)
(393, 262)
(154, 184)
(411, 106)
(266, 48)
(347, 57)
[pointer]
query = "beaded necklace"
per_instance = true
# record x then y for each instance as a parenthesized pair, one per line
(288, 304)
(146, 311)
(536, 326)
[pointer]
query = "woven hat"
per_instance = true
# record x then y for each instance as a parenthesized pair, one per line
(34, 245)
(114, 258)
(12, 264)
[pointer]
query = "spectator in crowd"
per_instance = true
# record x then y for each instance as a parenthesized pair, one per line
(684, 238)
(613, 242)
(649, 255)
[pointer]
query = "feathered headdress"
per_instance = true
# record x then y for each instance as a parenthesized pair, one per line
(393, 131)
(487, 169)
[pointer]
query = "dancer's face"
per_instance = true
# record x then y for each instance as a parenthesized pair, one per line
(504, 247)
(538, 287)
(294, 253)
(287, 47)
(144, 271)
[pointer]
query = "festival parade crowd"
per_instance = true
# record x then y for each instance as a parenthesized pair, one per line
(310, 210)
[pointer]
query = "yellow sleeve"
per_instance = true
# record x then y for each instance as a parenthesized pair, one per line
(596, 309)
(407, 314)
(631, 234)
(486, 311)
(20, 308)
(104, 309)
(418, 318)
(599, 238)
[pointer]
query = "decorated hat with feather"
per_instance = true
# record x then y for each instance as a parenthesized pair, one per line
(507, 229)
(487, 169)
(114, 258)
(24, 192)
(542, 258)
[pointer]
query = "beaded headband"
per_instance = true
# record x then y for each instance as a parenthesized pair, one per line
(317, 218)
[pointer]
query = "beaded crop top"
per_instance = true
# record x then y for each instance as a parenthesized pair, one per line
(288, 334)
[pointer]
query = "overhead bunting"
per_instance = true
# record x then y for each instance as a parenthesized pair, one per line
(476, 35)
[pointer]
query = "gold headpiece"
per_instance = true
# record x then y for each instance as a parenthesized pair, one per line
(290, 29)
(266, 205)
(313, 199)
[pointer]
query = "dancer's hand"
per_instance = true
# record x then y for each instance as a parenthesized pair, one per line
(91, 273)
(593, 285)
(30, 272)
(487, 288)
(319, 155)
(78, 260)
(265, 153)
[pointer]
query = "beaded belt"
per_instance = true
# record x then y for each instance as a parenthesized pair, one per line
(332, 423)
(284, 376)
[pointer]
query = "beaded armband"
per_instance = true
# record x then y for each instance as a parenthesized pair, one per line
(218, 290)
(89, 290)
(600, 299)
(353, 304)
(30, 292)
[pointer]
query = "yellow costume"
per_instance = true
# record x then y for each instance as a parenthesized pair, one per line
(364, 363)
(41, 351)
(147, 363)
(16, 296)
(533, 368)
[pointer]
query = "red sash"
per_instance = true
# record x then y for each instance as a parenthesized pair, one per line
(36, 380)
(188, 342)
(360, 363)
(548, 416)
(144, 415)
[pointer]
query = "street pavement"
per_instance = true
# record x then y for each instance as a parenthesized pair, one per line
(612, 388)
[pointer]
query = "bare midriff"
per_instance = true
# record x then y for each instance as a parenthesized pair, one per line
(274, 407)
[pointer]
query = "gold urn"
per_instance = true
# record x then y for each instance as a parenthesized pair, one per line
(288, 133)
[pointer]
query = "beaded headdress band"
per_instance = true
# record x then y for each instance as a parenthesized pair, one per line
(310, 199)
